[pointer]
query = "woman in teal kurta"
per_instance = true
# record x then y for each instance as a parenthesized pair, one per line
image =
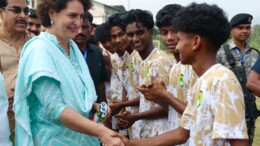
(54, 92)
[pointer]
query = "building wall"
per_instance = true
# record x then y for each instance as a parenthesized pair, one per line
(102, 12)
(33, 3)
(98, 12)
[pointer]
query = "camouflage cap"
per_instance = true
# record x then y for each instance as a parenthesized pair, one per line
(241, 18)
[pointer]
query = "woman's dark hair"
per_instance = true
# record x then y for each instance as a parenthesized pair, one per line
(57, 5)
(208, 21)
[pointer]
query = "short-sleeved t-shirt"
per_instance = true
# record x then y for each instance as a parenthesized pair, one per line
(181, 79)
(132, 75)
(215, 110)
(157, 64)
(130, 83)
(119, 68)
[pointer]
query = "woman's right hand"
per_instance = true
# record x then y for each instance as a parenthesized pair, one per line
(107, 138)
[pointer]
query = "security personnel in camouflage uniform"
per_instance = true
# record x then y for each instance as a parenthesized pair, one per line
(240, 32)
(241, 57)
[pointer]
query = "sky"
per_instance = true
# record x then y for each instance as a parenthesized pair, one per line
(231, 7)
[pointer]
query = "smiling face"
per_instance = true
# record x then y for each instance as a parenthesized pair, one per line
(14, 20)
(34, 25)
(139, 36)
(170, 38)
(107, 44)
(119, 38)
(84, 32)
(185, 47)
(67, 22)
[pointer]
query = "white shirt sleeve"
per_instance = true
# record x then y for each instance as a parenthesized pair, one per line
(4, 128)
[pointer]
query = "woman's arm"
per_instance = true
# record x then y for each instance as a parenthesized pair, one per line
(50, 96)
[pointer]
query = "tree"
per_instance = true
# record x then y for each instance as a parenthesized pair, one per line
(254, 40)
(158, 41)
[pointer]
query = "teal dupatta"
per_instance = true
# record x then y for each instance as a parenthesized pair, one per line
(42, 56)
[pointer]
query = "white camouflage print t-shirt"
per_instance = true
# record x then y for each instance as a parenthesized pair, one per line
(130, 84)
(181, 79)
(119, 68)
(215, 110)
(157, 64)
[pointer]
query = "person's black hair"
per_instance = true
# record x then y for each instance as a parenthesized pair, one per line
(116, 20)
(166, 14)
(32, 14)
(140, 17)
(95, 25)
(92, 40)
(103, 32)
(208, 21)
(57, 5)
(3, 3)
(89, 16)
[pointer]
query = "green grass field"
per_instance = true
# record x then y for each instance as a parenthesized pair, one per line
(257, 130)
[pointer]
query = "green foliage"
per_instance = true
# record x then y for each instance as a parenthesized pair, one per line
(157, 37)
(254, 40)
(162, 46)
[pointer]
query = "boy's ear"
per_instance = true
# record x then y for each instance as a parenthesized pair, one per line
(196, 42)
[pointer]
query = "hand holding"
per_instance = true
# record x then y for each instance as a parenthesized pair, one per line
(155, 91)
(126, 120)
(115, 108)
(125, 140)
(108, 138)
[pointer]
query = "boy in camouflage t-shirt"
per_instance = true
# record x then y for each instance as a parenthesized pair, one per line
(181, 77)
(216, 109)
(139, 28)
(157, 64)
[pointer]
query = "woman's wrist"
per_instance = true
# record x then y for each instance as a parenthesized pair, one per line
(101, 129)
(96, 107)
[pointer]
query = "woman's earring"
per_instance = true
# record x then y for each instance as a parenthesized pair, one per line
(51, 21)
